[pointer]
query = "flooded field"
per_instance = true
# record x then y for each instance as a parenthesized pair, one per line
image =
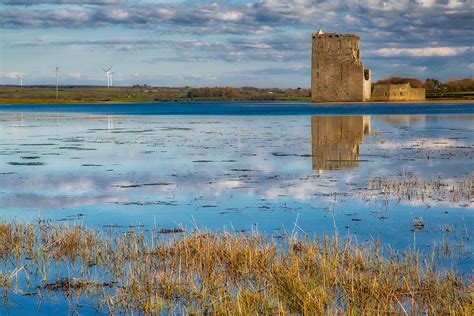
(406, 180)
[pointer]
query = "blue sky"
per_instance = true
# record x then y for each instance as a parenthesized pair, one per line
(263, 43)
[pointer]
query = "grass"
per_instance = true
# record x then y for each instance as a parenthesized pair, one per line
(224, 274)
(47, 95)
(409, 187)
(78, 94)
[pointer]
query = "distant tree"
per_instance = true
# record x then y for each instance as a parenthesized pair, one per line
(215, 92)
(432, 85)
(459, 85)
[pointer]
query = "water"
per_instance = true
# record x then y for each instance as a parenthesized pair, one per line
(245, 108)
(276, 168)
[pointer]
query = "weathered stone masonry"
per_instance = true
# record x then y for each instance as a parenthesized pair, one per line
(397, 92)
(337, 71)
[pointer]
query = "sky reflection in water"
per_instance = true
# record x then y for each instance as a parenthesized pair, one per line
(238, 173)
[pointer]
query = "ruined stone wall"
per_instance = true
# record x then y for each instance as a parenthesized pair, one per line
(381, 92)
(397, 92)
(337, 72)
(367, 84)
(416, 94)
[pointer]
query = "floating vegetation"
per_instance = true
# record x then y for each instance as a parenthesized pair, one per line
(176, 129)
(278, 154)
(127, 186)
(35, 163)
(418, 224)
(171, 231)
(147, 203)
(157, 184)
(39, 144)
(76, 148)
(224, 274)
(408, 187)
(132, 131)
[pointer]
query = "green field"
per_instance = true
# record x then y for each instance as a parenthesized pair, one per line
(469, 95)
(91, 94)
(47, 95)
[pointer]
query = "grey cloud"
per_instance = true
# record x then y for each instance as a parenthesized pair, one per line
(283, 70)
(282, 48)
(405, 21)
(76, 2)
(108, 42)
(260, 31)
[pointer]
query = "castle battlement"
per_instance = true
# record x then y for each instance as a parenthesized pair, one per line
(337, 71)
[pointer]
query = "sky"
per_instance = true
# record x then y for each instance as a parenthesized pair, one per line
(261, 43)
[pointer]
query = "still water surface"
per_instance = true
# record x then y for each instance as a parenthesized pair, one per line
(282, 169)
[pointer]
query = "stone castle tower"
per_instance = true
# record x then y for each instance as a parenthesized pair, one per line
(337, 73)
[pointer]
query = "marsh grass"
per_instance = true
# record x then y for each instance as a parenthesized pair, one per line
(224, 274)
(409, 187)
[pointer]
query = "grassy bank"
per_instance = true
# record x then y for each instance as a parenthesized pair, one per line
(78, 94)
(229, 274)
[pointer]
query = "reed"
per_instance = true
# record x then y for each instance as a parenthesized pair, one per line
(407, 187)
(225, 274)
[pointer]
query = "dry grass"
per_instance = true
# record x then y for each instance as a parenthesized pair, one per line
(226, 274)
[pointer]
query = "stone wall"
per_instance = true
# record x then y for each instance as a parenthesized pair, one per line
(337, 72)
(397, 92)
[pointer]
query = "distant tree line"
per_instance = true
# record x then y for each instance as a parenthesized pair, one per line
(434, 85)
(247, 93)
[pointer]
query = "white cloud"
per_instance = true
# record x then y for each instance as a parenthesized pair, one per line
(118, 14)
(441, 144)
(11, 75)
(229, 16)
(75, 75)
(79, 2)
(422, 52)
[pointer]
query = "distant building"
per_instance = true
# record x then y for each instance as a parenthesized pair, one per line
(337, 71)
(335, 141)
(397, 92)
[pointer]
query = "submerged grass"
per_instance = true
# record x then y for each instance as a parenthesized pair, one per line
(409, 187)
(222, 273)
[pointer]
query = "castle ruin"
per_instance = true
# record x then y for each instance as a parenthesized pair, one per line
(397, 92)
(337, 71)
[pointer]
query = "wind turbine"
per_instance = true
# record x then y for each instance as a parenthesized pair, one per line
(57, 83)
(20, 78)
(111, 77)
(107, 72)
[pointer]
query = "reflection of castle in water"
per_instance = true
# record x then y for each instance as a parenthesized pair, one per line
(336, 141)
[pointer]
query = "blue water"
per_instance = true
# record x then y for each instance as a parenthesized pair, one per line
(272, 167)
(246, 108)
